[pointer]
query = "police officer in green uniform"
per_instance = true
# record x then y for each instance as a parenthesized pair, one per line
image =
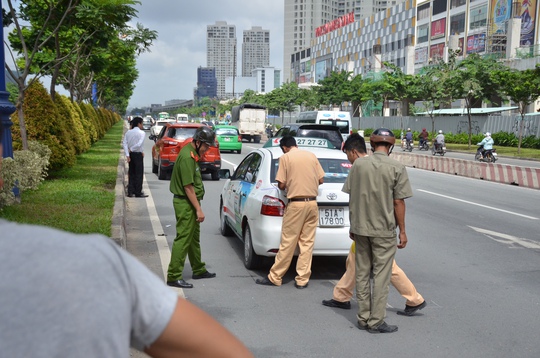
(188, 189)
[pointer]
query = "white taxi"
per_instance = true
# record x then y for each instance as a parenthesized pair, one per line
(252, 206)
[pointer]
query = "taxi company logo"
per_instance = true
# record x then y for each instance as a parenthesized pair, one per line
(331, 196)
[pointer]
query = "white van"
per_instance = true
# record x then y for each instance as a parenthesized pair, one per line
(337, 118)
(182, 118)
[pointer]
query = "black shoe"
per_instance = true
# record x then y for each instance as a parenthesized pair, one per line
(410, 310)
(131, 195)
(300, 287)
(179, 284)
(361, 326)
(383, 328)
(265, 281)
(204, 275)
(337, 304)
(141, 195)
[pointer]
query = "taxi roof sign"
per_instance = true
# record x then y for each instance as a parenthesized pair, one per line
(303, 142)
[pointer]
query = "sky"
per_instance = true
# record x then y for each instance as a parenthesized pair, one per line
(169, 71)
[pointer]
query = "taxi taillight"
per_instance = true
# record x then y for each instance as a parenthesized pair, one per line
(272, 206)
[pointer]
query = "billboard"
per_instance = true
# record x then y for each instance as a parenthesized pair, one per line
(323, 68)
(438, 28)
(528, 14)
(476, 43)
(436, 51)
(500, 13)
(420, 55)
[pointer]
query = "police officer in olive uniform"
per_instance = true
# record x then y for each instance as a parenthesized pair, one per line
(188, 189)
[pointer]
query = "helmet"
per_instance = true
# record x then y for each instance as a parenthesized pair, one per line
(440, 131)
(206, 135)
(488, 134)
(423, 129)
(382, 135)
(408, 129)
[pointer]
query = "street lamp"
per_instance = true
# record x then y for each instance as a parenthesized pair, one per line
(6, 107)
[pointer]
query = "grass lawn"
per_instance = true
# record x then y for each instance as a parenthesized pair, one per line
(78, 199)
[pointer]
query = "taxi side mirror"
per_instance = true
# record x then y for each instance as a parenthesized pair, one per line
(224, 173)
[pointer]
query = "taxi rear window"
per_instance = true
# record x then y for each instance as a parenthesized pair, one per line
(335, 170)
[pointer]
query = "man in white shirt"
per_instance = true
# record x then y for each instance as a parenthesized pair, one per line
(133, 147)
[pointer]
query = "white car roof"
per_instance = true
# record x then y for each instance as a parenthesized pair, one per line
(319, 152)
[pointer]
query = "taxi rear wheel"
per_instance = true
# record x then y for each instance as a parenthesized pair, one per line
(251, 259)
(223, 226)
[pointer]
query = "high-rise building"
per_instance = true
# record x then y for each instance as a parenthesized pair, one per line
(255, 49)
(364, 8)
(302, 17)
(221, 52)
(206, 83)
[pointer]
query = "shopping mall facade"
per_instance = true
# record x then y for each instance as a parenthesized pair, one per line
(414, 34)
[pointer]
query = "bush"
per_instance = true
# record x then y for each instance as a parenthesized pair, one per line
(26, 170)
(44, 124)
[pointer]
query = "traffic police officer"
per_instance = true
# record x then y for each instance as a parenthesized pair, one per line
(188, 189)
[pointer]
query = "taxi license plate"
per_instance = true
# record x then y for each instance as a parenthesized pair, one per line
(227, 139)
(332, 217)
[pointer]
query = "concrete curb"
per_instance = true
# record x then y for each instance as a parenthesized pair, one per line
(501, 173)
(118, 226)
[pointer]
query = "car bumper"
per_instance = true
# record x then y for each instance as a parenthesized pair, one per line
(208, 167)
(230, 146)
(266, 237)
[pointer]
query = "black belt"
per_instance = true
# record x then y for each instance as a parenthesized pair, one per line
(135, 152)
(176, 196)
(303, 199)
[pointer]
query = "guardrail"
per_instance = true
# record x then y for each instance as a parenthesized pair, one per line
(501, 173)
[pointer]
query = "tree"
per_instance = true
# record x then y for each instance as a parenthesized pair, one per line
(474, 82)
(523, 88)
(361, 92)
(335, 89)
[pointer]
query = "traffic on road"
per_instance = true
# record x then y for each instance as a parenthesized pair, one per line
(473, 253)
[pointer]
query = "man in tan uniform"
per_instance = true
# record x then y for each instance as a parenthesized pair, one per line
(355, 147)
(377, 187)
(300, 173)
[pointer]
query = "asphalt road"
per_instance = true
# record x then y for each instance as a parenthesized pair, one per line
(473, 253)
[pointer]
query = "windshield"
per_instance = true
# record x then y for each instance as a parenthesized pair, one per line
(227, 131)
(335, 170)
(342, 125)
(183, 133)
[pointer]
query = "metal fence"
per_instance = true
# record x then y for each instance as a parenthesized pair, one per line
(455, 124)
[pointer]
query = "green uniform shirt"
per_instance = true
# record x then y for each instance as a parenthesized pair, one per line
(186, 171)
(372, 184)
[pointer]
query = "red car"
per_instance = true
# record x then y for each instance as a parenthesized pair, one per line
(172, 138)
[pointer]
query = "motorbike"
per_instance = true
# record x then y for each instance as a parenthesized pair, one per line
(423, 145)
(406, 145)
(438, 149)
(489, 155)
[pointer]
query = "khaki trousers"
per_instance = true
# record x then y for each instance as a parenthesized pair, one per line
(343, 290)
(377, 254)
(299, 225)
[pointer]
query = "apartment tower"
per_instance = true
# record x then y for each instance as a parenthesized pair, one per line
(221, 53)
(255, 50)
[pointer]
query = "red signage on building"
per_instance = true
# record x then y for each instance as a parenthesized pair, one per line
(335, 24)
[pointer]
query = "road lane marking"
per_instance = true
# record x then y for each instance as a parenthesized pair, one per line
(159, 235)
(230, 163)
(508, 239)
(483, 206)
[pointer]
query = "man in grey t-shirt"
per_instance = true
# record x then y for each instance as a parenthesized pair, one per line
(67, 295)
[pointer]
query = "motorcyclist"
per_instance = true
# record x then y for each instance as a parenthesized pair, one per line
(409, 137)
(486, 143)
(439, 140)
(424, 136)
